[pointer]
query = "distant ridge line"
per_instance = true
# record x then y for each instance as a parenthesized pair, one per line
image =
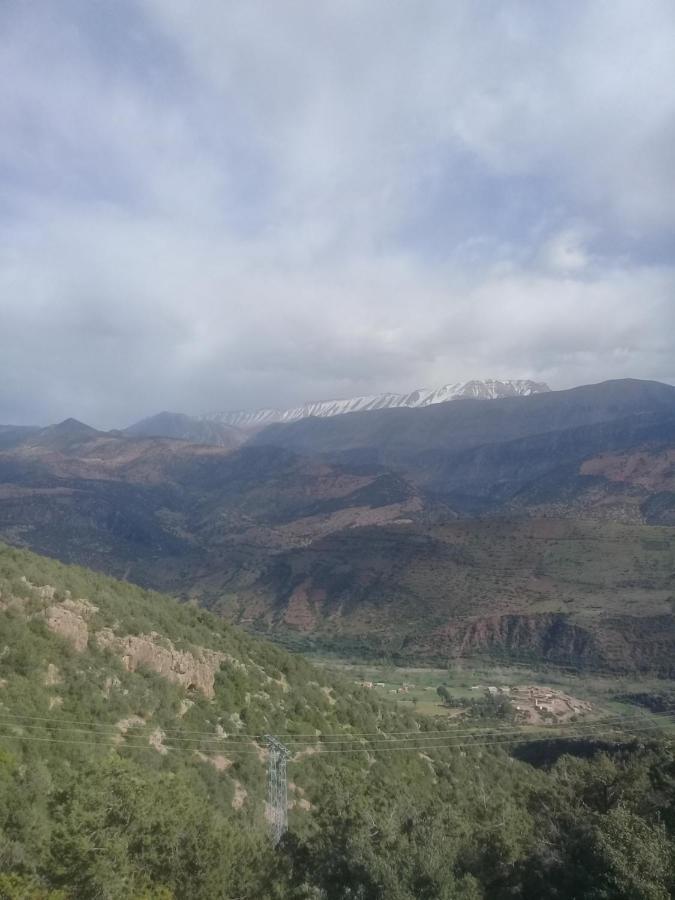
(490, 389)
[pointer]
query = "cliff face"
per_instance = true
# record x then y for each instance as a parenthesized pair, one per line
(550, 637)
(621, 644)
(193, 669)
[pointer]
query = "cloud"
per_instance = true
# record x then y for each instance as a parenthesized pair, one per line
(219, 205)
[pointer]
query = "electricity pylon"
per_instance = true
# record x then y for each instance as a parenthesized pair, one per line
(277, 787)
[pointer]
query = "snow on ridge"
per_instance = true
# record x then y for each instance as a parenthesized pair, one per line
(480, 390)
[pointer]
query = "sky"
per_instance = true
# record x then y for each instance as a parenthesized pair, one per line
(237, 203)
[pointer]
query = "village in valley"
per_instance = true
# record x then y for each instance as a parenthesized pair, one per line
(536, 704)
(530, 703)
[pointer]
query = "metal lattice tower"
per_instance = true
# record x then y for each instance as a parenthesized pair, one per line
(277, 788)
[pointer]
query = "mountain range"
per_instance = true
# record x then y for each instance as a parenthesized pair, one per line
(324, 409)
(229, 428)
(535, 526)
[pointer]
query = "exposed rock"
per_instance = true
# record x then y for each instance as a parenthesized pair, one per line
(112, 682)
(300, 802)
(308, 751)
(193, 671)
(240, 795)
(651, 469)
(301, 608)
(185, 705)
(55, 701)
(131, 722)
(219, 762)
(282, 681)
(8, 601)
(69, 619)
(624, 643)
(156, 741)
(549, 636)
(53, 676)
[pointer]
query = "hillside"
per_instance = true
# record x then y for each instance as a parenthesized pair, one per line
(188, 428)
(133, 764)
(161, 511)
(573, 592)
(478, 452)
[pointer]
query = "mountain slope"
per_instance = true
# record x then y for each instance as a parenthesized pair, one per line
(475, 438)
(11, 435)
(133, 763)
(578, 593)
(188, 428)
(124, 726)
(162, 511)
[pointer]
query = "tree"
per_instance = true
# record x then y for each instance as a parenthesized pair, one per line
(444, 694)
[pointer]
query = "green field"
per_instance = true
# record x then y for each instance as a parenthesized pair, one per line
(416, 687)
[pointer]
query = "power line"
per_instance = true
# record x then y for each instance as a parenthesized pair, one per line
(444, 741)
(289, 737)
(111, 744)
(369, 738)
(473, 744)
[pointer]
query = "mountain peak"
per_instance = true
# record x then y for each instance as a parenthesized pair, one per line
(71, 426)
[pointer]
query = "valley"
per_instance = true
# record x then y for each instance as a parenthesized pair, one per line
(559, 547)
(596, 696)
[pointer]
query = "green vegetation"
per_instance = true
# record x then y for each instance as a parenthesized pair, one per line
(119, 781)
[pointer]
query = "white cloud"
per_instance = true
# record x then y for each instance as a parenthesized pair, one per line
(566, 252)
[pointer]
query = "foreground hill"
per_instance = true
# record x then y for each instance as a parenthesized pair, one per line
(133, 764)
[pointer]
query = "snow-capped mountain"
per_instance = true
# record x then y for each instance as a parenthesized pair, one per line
(468, 390)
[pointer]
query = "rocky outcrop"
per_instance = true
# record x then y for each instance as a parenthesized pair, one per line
(219, 762)
(52, 676)
(192, 670)
(70, 620)
(240, 795)
(156, 741)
